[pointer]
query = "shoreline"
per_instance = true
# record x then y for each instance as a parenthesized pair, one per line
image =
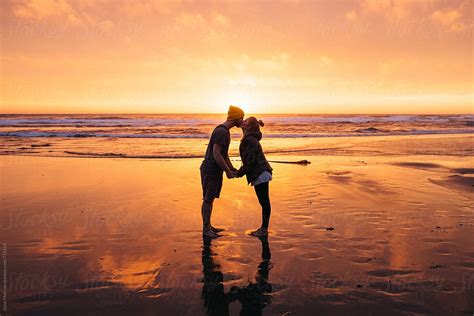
(446, 145)
(366, 132)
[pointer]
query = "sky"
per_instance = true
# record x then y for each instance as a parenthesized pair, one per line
(320, 56)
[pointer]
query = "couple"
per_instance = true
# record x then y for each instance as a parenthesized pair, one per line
(254, 165)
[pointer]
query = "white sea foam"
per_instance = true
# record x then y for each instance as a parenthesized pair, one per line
(28, 134)
(188, 120)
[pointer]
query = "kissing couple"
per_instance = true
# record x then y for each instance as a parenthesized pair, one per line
(254, 166)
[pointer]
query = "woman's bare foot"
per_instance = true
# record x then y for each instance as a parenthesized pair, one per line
(261, 232)
(216, 229)
(209, 233)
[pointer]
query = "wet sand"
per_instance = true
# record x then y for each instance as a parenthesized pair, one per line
(112, 236)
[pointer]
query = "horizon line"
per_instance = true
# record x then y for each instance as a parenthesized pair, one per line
(222, 113)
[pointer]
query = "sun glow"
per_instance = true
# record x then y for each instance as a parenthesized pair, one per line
(242, 99)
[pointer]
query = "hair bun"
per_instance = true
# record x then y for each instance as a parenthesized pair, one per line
(261, 123)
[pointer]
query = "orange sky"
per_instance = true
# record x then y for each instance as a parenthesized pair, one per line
(150, 56)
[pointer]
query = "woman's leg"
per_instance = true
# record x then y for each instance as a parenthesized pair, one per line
(264, 199)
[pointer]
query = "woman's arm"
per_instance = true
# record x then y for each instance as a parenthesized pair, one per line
(249, 157)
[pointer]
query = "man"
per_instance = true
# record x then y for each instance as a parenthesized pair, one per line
(215, 163)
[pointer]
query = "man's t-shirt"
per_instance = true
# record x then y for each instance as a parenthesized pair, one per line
(220, 136)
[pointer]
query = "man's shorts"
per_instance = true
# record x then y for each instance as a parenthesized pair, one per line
(211, 186)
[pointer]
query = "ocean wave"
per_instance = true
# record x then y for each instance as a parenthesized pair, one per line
(164, 156)
(370, 130)
(33, 134)
(357, 133)
(191, 120)
(106, 122)
(121, 155)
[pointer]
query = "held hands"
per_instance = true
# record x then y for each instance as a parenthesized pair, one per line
(236, 172)
(232, 173)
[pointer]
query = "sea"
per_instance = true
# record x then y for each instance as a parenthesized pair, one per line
(169, 136)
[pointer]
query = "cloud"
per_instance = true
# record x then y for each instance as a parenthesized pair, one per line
(449, 19)
(275, 62)
(43, 9)
(139, 9)
(351, 16)
(106, 26)
(246, 81)
(395, 9)
(325, 61)
(394, 66)
(376, 5)
(220, 19)
(104, 15)
(212, 21)
(190, 20)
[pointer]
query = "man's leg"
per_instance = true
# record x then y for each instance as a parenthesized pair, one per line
(210, 213)
(206, 211)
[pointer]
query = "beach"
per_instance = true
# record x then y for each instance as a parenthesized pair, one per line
(353, 120)
(378, 229)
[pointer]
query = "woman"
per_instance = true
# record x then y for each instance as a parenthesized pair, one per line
(257, 169)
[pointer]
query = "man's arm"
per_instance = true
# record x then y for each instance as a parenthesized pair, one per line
(217, 153)
(227, 161)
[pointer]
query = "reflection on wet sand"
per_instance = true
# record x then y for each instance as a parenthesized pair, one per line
(389, 235)
(215, 300)
(253, 297)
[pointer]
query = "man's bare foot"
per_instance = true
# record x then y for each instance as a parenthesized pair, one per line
(216, 229)
(209, 233)
(261, 232)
